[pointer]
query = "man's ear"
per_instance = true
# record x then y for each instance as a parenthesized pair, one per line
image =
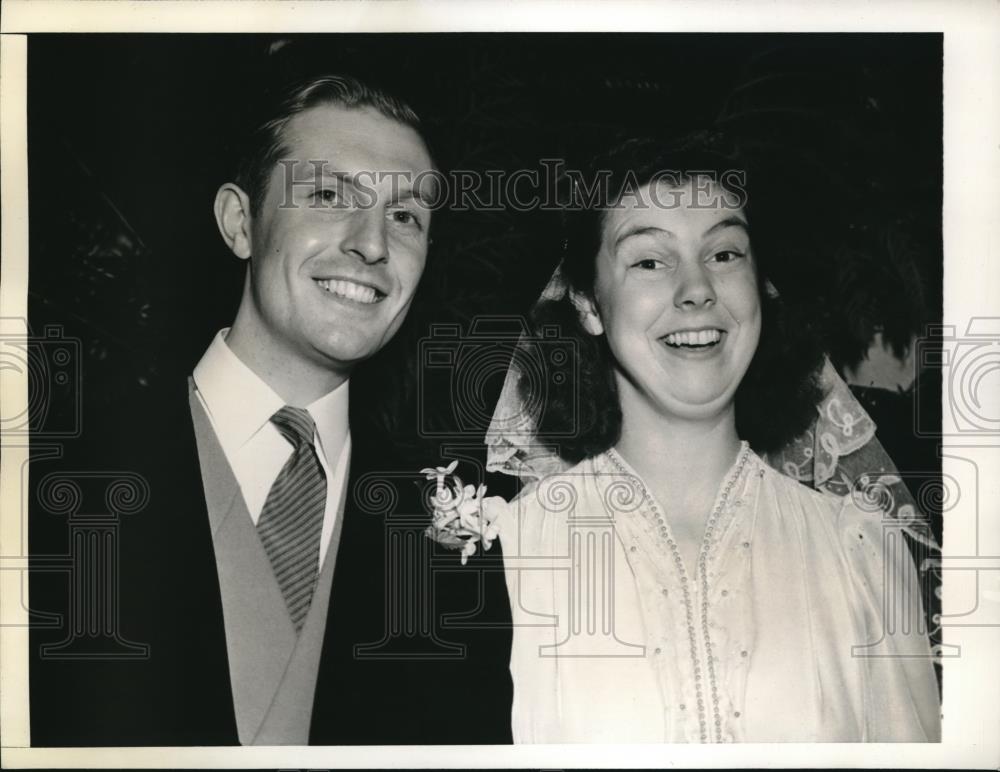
(586, 310)
(232, 215)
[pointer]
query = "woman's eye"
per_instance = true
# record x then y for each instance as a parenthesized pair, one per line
(727, 256)
(648, 264)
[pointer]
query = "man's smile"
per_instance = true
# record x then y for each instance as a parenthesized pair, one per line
(353, 291)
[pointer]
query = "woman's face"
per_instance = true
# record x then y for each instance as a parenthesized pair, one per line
(676, 294)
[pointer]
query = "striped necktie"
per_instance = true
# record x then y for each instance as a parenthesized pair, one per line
(292, 519)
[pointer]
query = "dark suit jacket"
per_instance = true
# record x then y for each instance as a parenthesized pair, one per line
(392, 664)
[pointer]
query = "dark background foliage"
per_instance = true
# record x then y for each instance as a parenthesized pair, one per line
(130, 135)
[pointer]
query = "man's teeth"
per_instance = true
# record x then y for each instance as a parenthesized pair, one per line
(693, 338)
(348, 289)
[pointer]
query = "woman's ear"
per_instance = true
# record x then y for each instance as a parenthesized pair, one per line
(232, 215)
(586, 311)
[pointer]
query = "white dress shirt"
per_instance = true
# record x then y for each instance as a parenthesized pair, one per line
(240, 405)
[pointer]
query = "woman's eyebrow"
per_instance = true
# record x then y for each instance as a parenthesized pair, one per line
(642, 230)
(728, 222)
(652, 230)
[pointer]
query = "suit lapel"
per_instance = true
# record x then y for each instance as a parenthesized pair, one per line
(260, 636)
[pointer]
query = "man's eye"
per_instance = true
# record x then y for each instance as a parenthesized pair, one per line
(406, 218)
(327, 196)
(648, 264)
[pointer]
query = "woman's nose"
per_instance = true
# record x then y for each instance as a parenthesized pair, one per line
(366, 236)
(694, 288)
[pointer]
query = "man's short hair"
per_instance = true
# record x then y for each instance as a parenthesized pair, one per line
(265, 143)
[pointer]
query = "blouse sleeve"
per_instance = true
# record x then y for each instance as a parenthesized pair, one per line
(901, 694)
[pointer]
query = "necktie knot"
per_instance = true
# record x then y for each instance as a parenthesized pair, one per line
(295, 425)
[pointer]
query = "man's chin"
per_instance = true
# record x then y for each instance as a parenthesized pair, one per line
(347, 345)
(345, 357)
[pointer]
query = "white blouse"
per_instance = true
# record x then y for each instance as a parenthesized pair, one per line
(801, 621)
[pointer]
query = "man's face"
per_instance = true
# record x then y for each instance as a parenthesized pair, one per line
(341, 238)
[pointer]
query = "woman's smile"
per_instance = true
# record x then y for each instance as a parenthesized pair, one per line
(700, 340)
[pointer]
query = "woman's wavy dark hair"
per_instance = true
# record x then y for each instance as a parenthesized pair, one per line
(777, 398)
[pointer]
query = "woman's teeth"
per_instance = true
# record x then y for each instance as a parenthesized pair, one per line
(348, 289)
(693, 338)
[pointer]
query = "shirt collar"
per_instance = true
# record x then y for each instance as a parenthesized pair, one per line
(239, 403)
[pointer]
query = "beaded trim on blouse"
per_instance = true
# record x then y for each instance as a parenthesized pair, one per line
(701, 574)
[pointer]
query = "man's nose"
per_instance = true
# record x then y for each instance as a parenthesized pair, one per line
(366, 236)
(694, 288)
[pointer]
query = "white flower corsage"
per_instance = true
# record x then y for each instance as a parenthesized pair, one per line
(462, 515)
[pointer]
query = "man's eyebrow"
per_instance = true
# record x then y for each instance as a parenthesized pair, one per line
(728, 222)
(342, 177)
(352, 180)
(411, 194)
